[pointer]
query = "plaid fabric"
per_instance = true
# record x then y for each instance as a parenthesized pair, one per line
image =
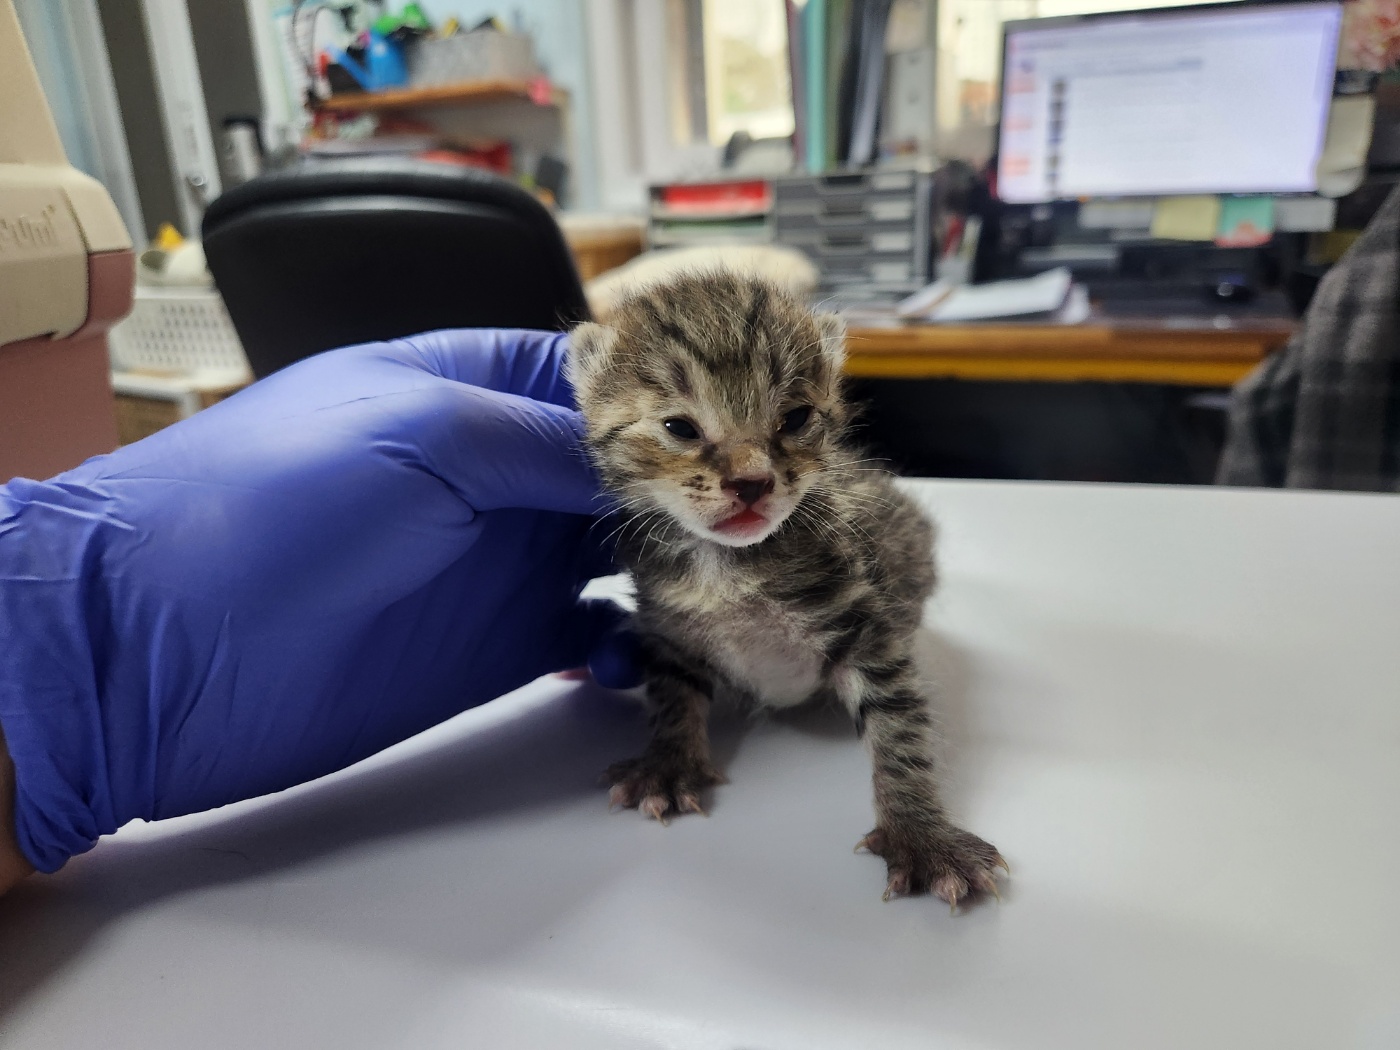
(1324, 412)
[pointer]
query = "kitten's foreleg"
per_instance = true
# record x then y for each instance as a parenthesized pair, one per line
(675, 768)
(923, 850)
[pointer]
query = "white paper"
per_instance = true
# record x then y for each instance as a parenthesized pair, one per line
(1077, 307)
(927, 297)
(1043, 294)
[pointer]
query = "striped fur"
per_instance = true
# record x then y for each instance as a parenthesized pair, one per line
(821, 600)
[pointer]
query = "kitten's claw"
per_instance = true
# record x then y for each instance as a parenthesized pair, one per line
(898, 885)
(986, 882)
(872, 843)
(951, 888)
(620, 796)
(689, 802)
(655, 806)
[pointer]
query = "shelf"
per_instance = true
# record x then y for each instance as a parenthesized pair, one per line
(465, 92)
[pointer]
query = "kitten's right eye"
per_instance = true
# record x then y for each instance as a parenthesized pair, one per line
(682, 428)
(795, 420)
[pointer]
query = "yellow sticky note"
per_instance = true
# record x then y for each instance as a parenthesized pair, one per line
(1186, 218)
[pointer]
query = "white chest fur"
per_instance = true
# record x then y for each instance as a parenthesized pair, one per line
(768, 655)
(761, 647)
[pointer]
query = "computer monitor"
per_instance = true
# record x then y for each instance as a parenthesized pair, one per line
(1228, 98)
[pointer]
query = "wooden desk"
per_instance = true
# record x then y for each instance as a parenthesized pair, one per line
(1191, 352)
(1100, 351)
(600, 243)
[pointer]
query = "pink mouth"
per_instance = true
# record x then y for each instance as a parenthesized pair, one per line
(745, 522)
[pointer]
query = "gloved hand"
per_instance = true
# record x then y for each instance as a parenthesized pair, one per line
(337, 558)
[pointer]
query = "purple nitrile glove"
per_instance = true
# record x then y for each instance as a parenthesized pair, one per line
(346, 553)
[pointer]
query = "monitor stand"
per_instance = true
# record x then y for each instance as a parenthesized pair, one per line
(1142, 277)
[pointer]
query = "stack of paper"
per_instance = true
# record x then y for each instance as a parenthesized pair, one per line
(1051, 296)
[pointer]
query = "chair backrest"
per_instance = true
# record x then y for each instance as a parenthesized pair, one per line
(332, 253)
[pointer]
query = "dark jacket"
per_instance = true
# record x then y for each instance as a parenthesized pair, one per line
(1324, 412)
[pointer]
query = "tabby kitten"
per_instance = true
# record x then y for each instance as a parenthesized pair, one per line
(769, 563)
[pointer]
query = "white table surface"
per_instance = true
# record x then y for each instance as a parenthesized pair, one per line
(1177, 713)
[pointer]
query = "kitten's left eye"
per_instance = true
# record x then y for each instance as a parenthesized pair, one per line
(795, 419)
(681, 428)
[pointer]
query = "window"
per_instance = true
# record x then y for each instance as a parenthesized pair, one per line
(673, 80)
(729, 70)
(747, 82)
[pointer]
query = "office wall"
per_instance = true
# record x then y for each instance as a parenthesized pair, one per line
(561, 43)
(70, 55)
(45, 34)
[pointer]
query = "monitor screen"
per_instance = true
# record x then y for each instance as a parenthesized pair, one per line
(1187, 100)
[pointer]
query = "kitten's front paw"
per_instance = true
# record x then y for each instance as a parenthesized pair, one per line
(659, 786)
(935, 857)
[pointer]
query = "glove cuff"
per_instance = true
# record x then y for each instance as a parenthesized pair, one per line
(50, 712)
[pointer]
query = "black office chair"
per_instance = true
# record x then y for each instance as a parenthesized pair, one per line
(332, 253)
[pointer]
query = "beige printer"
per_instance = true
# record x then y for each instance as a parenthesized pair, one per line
(66, 276)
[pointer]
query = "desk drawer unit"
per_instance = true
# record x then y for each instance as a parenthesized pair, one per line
(860, 228)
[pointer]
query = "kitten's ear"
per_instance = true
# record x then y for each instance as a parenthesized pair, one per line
(590, 349)
(832, 329)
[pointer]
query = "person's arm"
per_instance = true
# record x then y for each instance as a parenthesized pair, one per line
(13, 866)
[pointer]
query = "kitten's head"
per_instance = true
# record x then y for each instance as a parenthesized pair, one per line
(713, 398)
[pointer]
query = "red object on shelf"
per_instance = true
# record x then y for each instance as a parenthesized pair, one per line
(750, 197)
(495, 158)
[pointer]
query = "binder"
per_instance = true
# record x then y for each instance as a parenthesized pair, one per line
(814, 17)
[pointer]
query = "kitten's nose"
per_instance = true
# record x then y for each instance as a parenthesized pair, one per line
(749, 490)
